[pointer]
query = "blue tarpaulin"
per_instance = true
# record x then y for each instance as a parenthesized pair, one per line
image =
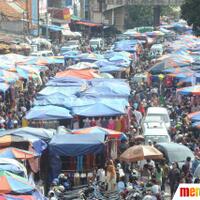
(104, 107)
(73, 145)
(126, 45)
(63, 101)
(66, 91)
(76, 144)
(66, 81)
(109, 90)
(42, 133)
(48, 112)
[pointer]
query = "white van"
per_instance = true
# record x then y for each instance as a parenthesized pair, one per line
(155, 132)
(149, 119)
(160, 111)
(97, 43)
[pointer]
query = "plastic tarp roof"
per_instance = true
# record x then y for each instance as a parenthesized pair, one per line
(83, 65)
(104, 107)
(111, 68)
(66, 91)
(63, 101)
(49, 112)
(42, 133)
(192, 90)
(66, 81)
(126, 45)
(108, 66)
(13, 166)
(73, 145)
(86, 74)
(76, 145)
(7, 140)
(109, 90)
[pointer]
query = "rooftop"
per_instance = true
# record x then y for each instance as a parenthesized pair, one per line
(13, 9)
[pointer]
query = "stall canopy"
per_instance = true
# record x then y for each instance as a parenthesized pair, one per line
(103, 107)
(13, 166)
(76, 145)
(192, 90)
(11, 183)
(66, 81)
(48, 112)
(22, 141)
(88, 23)
(86, 74)
(99, 130)
(73, 145)
(42, 133)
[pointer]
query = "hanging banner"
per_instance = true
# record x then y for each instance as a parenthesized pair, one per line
(66, 14)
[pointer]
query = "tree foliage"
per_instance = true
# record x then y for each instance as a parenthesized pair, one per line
(143, 15)
(190, 11)
(139, 16)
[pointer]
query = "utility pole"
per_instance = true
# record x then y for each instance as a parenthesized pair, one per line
(38, 22)
(47, 23)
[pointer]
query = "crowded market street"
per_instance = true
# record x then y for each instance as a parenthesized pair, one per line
(101, 118)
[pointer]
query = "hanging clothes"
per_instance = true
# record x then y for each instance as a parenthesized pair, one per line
(93, 122)
(113, 152)
(118, 124)
(111, 124)
(123, 124)
(104, 123)
(86, 123)
(98, 122)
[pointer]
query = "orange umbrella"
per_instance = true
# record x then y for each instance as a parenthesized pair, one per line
(84, 74)
(141, 152)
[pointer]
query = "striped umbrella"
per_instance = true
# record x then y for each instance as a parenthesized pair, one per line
(16, 153)
(11, 183)
(192, 90)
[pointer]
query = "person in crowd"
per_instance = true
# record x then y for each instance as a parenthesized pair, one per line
(158, 174)
(174, 178)
(165, 169)
(111, 176)
(101, 176)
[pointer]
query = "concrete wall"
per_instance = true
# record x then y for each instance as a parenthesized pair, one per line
(12, 26)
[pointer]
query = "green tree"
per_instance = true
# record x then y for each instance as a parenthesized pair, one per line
(139, 16)
(143, 15)
(190, 11)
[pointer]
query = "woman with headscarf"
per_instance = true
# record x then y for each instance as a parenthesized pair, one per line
(111, 176)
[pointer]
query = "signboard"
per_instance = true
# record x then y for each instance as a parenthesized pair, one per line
(66, 14)
(43, 7)
(60, 14)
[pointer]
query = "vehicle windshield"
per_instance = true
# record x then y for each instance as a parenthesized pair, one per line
(156, 138)
(163, 117)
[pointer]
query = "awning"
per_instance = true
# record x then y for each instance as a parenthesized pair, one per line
(88, 23)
